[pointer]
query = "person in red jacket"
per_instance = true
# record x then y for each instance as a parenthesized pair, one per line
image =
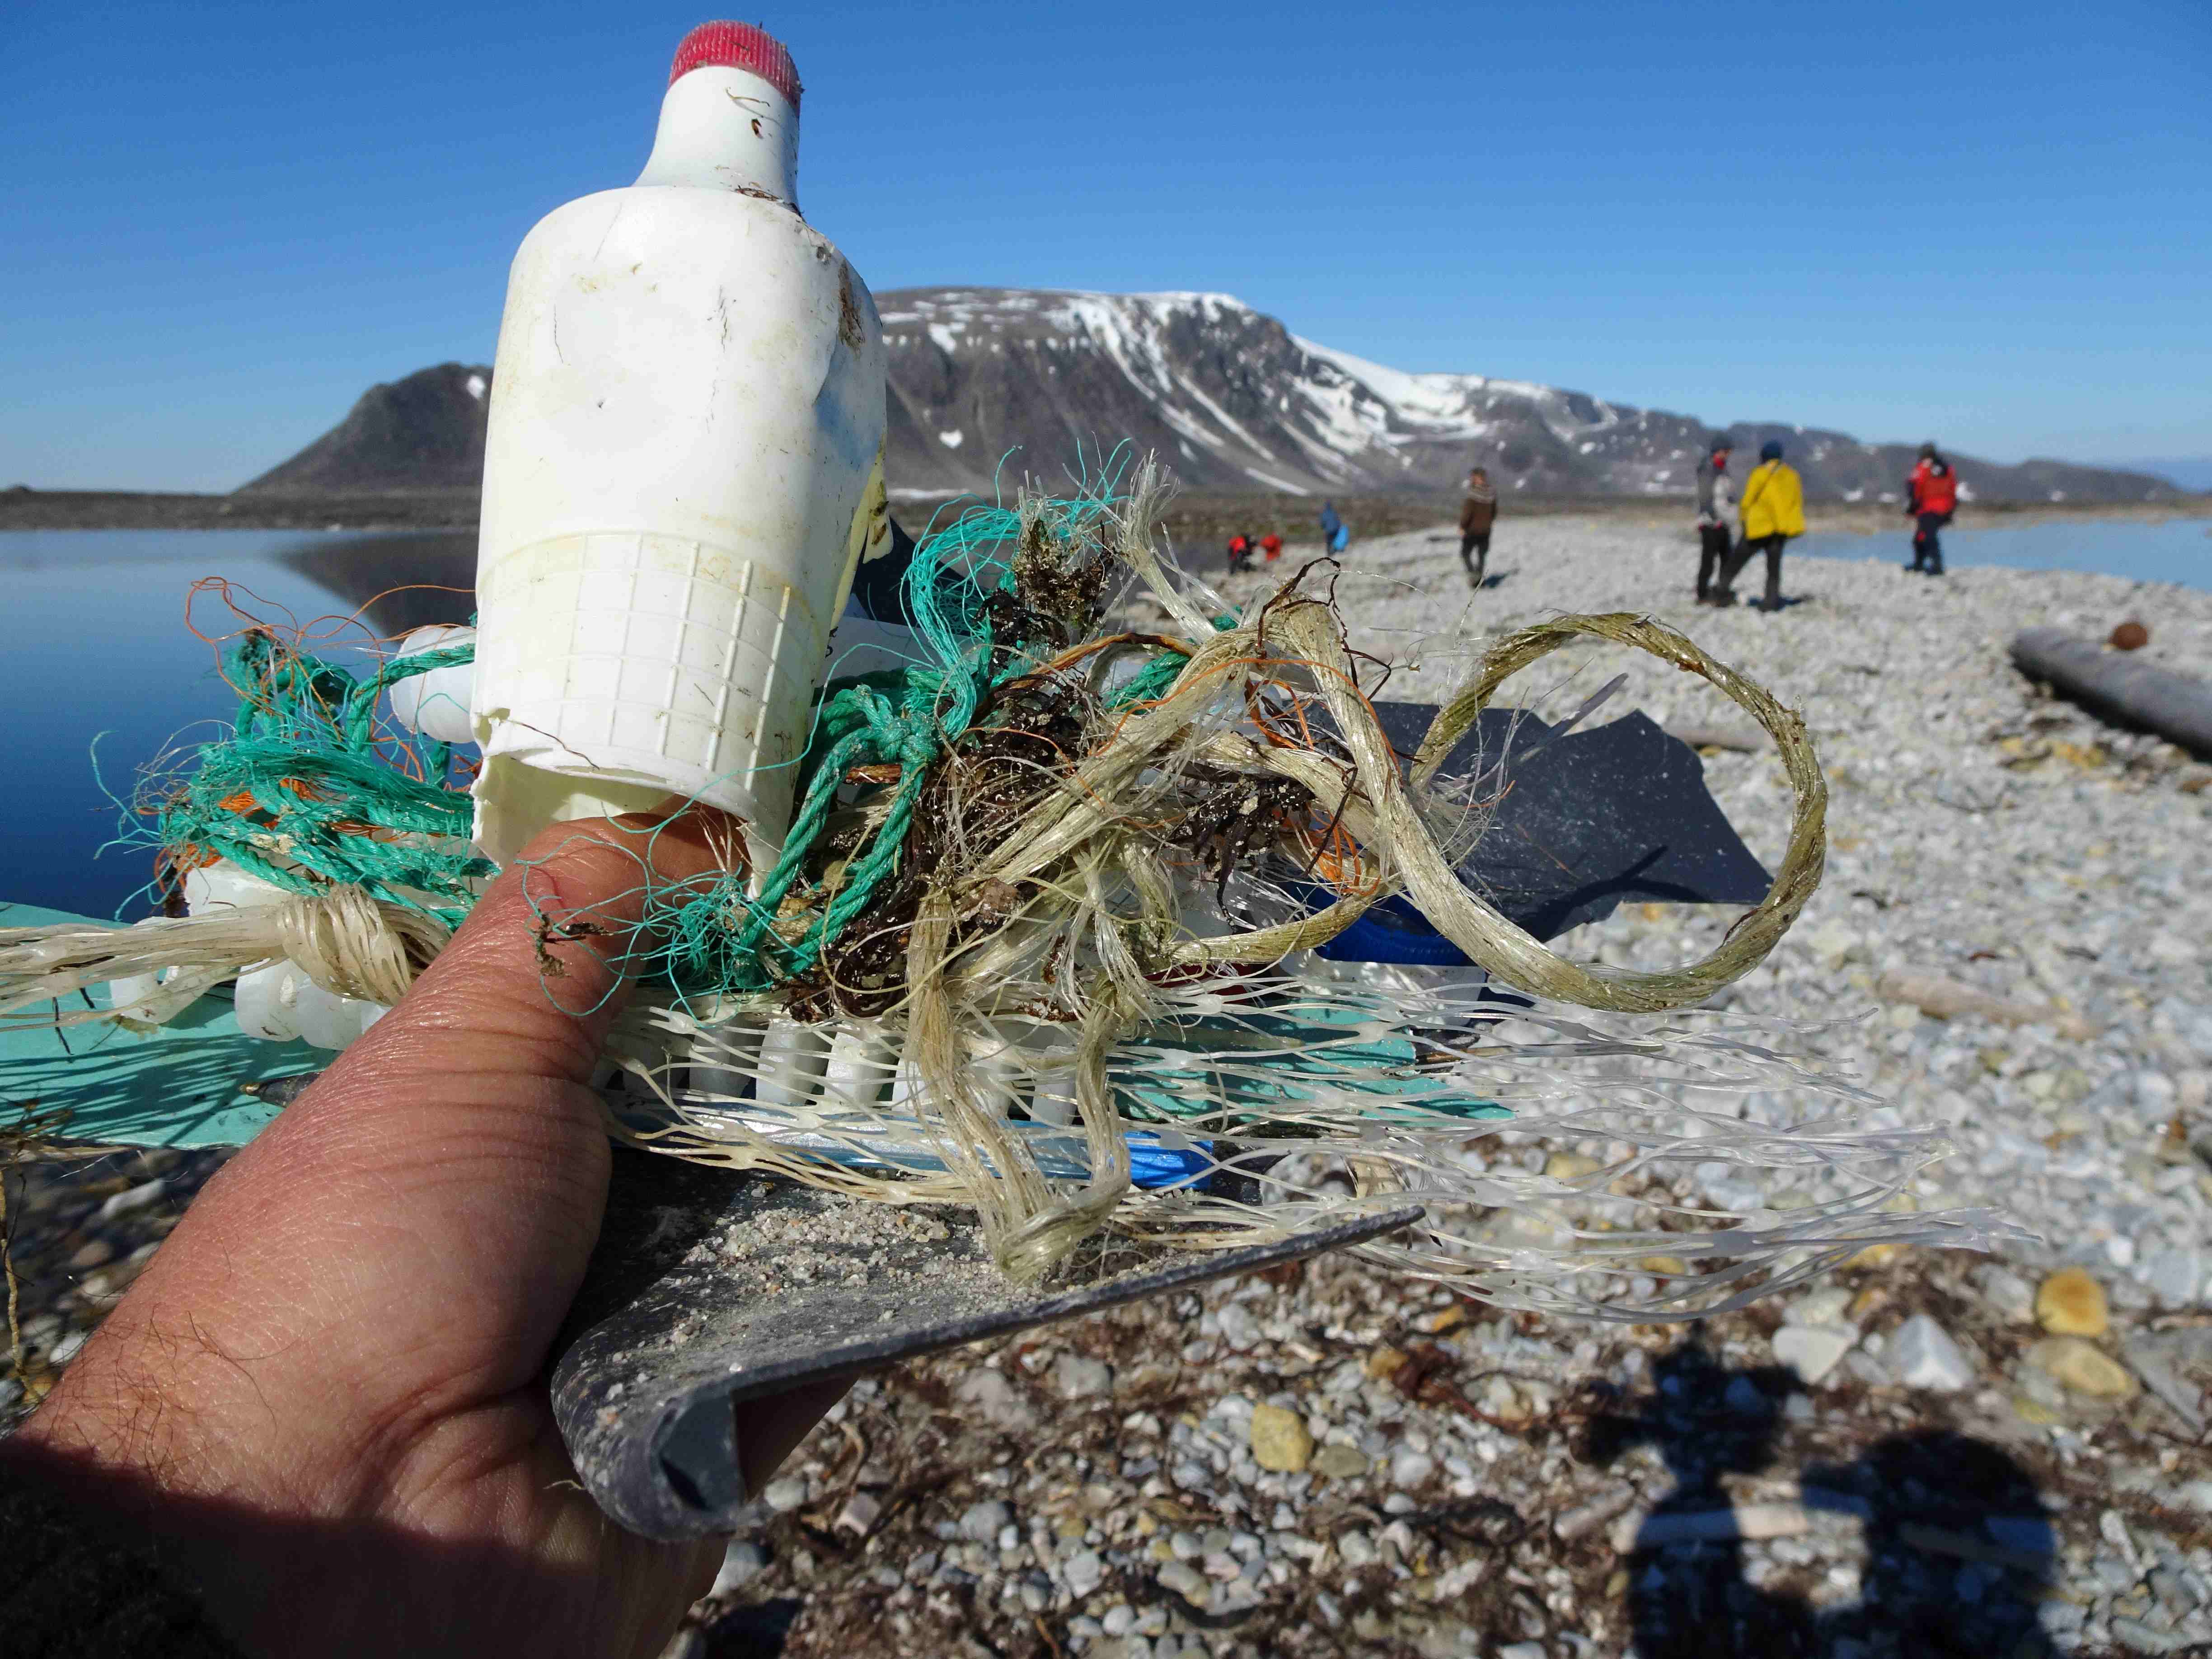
(1272, 546)
(1240, 552)
(1931, 496)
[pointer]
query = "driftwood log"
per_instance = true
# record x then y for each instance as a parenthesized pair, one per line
(2119, 687)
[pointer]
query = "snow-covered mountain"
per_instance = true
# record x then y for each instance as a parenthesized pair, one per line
(1234, 402)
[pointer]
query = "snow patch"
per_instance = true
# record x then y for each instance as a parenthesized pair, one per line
(952, 440)
(478, 387)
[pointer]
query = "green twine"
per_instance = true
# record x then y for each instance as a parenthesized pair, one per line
(724, 939)
(299, 793)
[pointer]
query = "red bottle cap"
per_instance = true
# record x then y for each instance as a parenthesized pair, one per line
(738, 46)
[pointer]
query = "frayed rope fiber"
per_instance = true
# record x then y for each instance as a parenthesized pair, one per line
(1042, 910)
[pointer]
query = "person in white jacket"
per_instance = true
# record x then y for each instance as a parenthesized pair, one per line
(1715, 522)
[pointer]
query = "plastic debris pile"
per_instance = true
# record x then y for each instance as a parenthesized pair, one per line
(1040, 941)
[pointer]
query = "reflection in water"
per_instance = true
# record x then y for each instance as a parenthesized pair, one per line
(95, 650)
(396, 583)
(1958, 1547)
(2139, 549)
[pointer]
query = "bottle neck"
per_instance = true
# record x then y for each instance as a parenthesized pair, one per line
(727, 129)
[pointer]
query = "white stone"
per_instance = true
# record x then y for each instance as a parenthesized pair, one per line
(785, 1495)
(1410, 1468)
(2175, 1275)
(1822, 1307)
(136, 1198)
(1924, 1355)
(1238, 1328)
(980, 1523)
(1184, 1579)
(1078, 1377)
(2009, 1296)
(741, 1562)
(1083, 1572)
(987, 1395)
(858, 1513)
(1814, 1351)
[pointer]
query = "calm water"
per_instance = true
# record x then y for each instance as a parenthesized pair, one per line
(2178, 550)
(93, 641)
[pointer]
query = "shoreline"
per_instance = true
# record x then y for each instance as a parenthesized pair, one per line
(1192, 516)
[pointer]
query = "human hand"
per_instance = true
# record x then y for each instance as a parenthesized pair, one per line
(324, 1399)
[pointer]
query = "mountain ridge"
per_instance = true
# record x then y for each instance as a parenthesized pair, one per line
(985, 383)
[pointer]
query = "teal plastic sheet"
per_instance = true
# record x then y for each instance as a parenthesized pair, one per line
(175, 1086)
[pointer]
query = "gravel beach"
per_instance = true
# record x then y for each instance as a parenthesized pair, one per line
(1929, 1454)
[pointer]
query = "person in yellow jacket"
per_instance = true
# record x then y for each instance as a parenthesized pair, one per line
(1773, 509)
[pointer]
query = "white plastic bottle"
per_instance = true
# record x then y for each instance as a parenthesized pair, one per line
(684, 466)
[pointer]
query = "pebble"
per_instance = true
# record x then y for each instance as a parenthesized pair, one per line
(1239, 1329)
(1078, 1377)
(2174, 1276)
(858, 1513)
(1922, 1354)
(1184, 1579)
(2072, 1304)
(92, 1254)
(1823, 1306)
(1409, 1467)
(133, 1199)
(2083, 1368)
(1279, 1440)
(1341, 1462)
(1085, 1571)
(988, 1394)
(741, 1562)
(2009, 1296)
(1812, 1351)
(980, 1522)
(785, 1495)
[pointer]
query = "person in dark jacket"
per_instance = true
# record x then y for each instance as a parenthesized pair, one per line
(1476, 514)
(1715, 517)
(1240, 553)
(1335, 534)
(1931, 497)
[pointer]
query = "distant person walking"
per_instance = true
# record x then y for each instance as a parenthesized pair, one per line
(1335, 534)
(1773, 512)
(1476, 514)
(1240, 552)
(1271, 544)
(1716, 520)
(1931, 497)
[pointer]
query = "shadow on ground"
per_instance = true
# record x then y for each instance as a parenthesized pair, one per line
(1958, 1550)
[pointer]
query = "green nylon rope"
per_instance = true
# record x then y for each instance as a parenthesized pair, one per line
(306, 793)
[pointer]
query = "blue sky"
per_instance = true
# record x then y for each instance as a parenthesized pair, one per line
(1990, 222)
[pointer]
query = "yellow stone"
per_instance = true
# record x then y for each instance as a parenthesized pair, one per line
(1876, 1255)
(1671, 1267)
(2071, 1304)
(1570, 1166)
(2083, 1369)
(1617, 1586)
(1279, 1440)
(1444, 1319)
(2030, 1411)
(1382, 1362)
